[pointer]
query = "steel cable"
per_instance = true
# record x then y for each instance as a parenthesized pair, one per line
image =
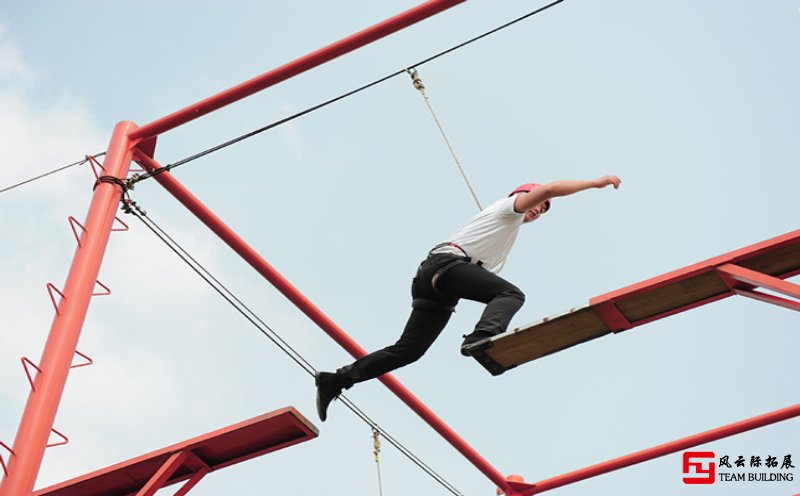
(133, 208)
(342, 96)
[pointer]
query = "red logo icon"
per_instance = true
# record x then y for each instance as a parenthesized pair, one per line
(699, 467)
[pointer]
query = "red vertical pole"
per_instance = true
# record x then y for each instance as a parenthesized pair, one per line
(40, 411)
(182, 194)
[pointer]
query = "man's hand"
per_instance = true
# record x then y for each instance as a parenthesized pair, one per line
(602, 182)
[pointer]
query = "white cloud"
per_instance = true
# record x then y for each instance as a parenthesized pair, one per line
(163, 344)
(12, 66)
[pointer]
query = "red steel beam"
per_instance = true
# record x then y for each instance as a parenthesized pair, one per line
(40, 411)
(704, 266)
(291, 69)
(756, 278)
(768, 298)
(183, 195)
(665, 449)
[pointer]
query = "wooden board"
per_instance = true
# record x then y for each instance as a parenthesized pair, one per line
(539, 339)
(638, 304)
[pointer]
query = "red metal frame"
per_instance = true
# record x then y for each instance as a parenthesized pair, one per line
(757, 279)
(191, 460)
(47, 388)
(40, 411)
(604, 305)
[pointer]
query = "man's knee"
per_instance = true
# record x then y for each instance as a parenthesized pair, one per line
(516, 294)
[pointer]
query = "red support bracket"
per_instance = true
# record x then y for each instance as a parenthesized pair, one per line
(146, 146)
(611, 316)
(25, 362)
(50, 289)
(88, 361)
(163, 474)
(204, 469)
(72, 223)
(189, 485)
(2, 461)
(746, 280)
(60, 443)
(756, 278)
(119, 229)
(95, 164)
(768, 298)
(106, 292)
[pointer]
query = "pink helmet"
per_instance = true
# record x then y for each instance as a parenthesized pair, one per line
(527, 188)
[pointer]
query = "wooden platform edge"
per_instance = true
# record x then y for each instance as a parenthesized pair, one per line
(607, 307)
(482, 351)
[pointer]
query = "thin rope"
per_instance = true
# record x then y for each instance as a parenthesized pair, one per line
(130, 206)
(59, 169)
(376, 445)
(284, 120)
(417, 81)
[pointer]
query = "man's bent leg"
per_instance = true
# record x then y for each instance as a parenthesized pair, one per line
(502, 298)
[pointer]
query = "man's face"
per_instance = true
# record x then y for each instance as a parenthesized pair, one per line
(534, 213)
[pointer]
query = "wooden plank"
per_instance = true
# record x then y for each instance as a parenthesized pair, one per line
(640, 303)
(539, 339)
(782, 262)
(705, 284)
(672, 296)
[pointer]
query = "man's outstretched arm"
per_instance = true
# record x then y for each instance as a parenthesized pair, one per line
(527, 201)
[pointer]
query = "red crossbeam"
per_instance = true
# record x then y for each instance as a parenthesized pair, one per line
(728, 267)
(298, 66)
(663, 449)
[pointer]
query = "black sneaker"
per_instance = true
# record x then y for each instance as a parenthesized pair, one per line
(328, 389)
(472, 339)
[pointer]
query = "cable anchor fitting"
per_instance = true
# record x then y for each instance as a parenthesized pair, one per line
(135, 178)
(129, 205)
(376, 443)
(416, 80)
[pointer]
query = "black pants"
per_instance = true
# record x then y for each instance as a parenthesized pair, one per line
(432, 306)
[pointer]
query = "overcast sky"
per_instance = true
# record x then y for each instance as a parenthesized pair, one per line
(694, 104)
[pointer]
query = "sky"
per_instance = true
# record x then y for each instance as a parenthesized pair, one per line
(694, 105)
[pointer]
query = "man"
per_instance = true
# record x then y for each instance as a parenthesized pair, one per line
(459, 268)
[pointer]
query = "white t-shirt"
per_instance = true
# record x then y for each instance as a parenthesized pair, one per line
(488, 236)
